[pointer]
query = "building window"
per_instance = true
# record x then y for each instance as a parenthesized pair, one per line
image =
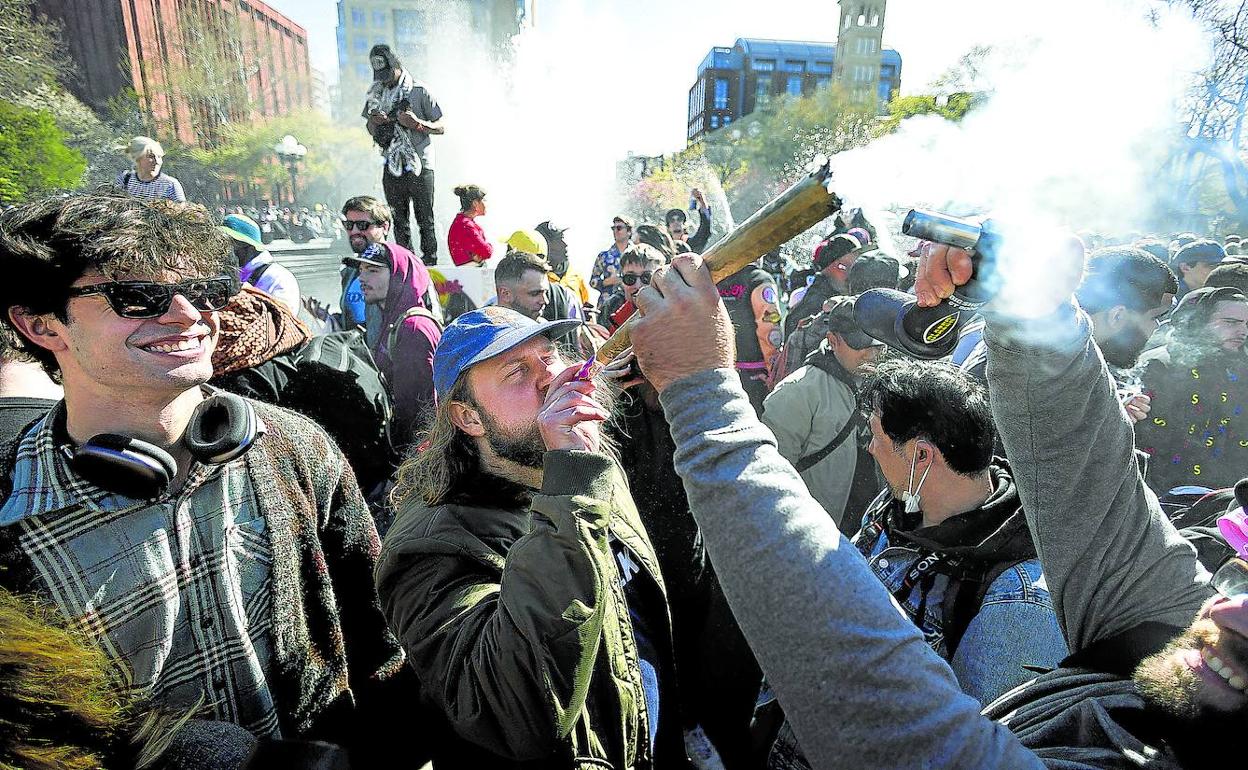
(824, 67)
(379, 18)
(875, 20)
(357, 17)
(361, 45)
(721, 93)
(363, 72)
(762, 94)
(722, 59)
(727, 119)
(714, 121)
(764, 65)
(794, 85)
(794, 66)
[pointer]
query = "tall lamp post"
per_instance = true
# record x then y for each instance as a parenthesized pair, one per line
(290, 151)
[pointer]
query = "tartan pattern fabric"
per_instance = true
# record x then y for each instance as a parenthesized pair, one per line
(177, 592)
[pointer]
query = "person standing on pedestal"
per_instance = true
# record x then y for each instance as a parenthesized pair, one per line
(402, 115)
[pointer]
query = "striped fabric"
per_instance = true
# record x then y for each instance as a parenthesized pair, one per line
(177, 592)
(163, 186)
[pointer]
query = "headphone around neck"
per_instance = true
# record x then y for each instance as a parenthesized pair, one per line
(222, 427)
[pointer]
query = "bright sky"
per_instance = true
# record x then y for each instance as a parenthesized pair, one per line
(666, 42)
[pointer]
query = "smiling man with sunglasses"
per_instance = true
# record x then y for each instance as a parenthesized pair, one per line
(228, 584)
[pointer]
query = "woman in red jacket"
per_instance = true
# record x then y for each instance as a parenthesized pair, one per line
(466, 241)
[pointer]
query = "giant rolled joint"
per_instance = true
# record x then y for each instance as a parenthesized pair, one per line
(796, 210)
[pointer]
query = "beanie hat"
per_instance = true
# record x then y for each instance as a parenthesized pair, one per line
(389, 61)
(834, 248)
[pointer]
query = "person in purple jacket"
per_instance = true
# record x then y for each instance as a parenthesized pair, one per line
(393, 278)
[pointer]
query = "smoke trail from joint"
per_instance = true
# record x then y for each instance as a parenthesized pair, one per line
(1080, 113)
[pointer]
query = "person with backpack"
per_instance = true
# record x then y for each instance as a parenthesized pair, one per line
(256, 265)
(948, 537)
(267, 354)
(392, 278)
(818, 425)
(218, 547)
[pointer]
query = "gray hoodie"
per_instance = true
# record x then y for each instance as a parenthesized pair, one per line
(857, 682)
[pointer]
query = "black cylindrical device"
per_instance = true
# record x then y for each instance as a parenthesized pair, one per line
(932, 332)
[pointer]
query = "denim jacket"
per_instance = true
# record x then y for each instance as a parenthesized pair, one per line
(1015, 625)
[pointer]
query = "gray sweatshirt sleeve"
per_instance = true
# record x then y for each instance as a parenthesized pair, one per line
(1111, 558)
(857, 682)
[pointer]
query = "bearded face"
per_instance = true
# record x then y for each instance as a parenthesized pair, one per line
(522, 445)
(1199, 682)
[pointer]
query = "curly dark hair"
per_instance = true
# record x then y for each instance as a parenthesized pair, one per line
(48, 244)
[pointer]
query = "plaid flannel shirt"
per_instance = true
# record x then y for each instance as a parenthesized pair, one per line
(177, 592)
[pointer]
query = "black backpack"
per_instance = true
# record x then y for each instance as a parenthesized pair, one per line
(338, 385)
(333, 380)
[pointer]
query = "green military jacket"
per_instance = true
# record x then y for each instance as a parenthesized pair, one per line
(515, 622)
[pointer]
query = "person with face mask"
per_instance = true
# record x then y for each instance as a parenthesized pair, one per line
(1158, 648)
(948, 537)
(402, 115)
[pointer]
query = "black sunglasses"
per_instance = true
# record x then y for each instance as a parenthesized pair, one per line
(630, 279)
(147, 299)
(357, 224)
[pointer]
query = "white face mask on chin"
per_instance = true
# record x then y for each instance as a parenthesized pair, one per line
(911, 497)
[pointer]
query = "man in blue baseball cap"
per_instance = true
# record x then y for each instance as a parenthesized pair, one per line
(518, 574)
(256, 265)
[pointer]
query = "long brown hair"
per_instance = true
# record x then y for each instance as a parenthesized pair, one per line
(446, 457)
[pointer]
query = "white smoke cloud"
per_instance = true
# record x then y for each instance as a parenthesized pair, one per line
(541, 132)
(1075, 129)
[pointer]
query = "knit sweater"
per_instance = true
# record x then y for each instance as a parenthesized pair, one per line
(335, 666)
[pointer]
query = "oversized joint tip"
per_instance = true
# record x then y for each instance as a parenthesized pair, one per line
(819, 167)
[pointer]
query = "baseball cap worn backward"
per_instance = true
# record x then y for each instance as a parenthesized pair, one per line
(243, 229)
(375, 254)
(482, 334)
(834, 248)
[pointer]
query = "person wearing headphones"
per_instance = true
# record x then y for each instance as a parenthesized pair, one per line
(217, 549)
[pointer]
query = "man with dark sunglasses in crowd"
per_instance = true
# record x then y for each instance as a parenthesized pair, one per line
(241, 581)
(637, 265)
(368, 221)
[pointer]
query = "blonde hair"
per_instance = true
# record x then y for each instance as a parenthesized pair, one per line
(141, 145)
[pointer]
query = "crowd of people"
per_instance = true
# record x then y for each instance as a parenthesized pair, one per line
(759, 537)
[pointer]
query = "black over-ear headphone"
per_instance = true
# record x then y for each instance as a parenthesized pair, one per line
(222, 427)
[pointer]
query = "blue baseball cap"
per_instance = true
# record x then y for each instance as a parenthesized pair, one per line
(243, 229)
(482, 334)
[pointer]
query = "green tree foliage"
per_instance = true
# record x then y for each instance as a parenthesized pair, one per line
(34, 160)
(339, 158)
(746, 164)
(25, 64)
(952, 108)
